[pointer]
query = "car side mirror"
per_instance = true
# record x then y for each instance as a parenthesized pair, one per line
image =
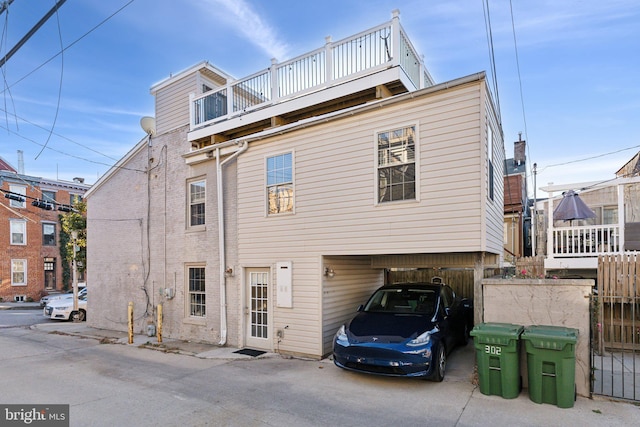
(360, 307)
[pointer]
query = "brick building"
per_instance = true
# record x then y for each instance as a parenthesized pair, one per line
(31, 263)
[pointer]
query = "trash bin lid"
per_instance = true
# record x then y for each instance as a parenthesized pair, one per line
(504, 330)
(558, 335)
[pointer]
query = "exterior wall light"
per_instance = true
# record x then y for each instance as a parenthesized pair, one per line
(328, 272)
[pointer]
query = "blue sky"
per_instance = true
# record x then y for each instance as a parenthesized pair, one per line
(575, 95)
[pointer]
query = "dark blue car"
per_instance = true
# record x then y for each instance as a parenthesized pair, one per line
(404, 330)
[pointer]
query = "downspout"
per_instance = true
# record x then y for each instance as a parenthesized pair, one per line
(221, 245)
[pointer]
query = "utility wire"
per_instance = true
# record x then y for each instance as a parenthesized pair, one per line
(58, 135)
(589, 158)
(492, 59)
(31, 32)
(55, 119)
(72, 44)
(70, 155)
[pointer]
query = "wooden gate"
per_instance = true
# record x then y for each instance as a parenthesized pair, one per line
(615, 330)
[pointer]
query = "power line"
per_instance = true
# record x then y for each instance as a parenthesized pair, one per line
(31, 32)
(55, 118)
(70, 45)
(70, 155)
(590, 158)
(58, 135)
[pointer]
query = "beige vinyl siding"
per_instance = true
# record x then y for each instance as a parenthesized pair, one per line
(494, 209)
(172, 104)
(336, 213)
(353, 283)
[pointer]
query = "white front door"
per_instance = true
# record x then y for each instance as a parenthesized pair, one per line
(257, 305)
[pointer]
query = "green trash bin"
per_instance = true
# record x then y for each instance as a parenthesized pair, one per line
(498, 356)
(551, 364)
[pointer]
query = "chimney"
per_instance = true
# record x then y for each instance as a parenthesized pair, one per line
(519, 150)
(20, 162)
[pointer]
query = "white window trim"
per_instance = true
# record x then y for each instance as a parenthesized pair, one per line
(18, 189)
(55, 233)
(188, 210)
(266, 181)
(417, 162)
(24, 263)
(24, 234)
(188, 318)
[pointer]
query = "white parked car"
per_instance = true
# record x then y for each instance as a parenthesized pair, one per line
(69, 294)
(62, 309)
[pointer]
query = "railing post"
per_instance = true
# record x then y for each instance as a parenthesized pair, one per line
(192, 116)
(230, 98)
(395, 37)
(550, 232)
(275, 83)
(621, 218)
(328, 59)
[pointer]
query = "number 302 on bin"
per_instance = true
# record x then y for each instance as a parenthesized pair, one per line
(492, 349)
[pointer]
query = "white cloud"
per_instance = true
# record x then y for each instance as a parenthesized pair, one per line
(252, 27)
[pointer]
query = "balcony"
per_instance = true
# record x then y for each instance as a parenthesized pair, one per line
(579, 246)
(373, 64)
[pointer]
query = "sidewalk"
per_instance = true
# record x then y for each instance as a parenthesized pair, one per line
(168, 345)
(20, 306)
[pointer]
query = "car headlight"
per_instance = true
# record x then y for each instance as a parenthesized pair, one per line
(422, 339)
(66, 307)
(341, 335)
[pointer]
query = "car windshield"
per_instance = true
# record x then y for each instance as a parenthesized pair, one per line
(405, 300)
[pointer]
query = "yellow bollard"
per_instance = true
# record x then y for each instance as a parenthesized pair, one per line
(130, 317)
(159, 323)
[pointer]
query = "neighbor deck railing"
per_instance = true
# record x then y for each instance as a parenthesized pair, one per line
(367, 52)
(589, 240)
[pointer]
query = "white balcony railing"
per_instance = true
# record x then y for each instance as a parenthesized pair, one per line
(369, 51)
(586, 241)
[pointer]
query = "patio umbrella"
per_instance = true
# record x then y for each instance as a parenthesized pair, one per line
(572, 207)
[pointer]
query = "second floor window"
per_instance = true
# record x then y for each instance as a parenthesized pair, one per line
(397, 165)
(49, 196)
(18, 232)
(196, 203)
(18, 189)
(280, 183)
(49, 234)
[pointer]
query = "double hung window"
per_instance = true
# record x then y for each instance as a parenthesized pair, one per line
(18, 232)
(197, 297)
(197, 198)
(397, 165)
(280, 183)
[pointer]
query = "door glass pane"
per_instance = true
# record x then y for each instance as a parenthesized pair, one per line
(259, 305)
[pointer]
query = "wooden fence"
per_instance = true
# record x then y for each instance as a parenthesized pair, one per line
(617, 303)
(460, 279)
(533, 266)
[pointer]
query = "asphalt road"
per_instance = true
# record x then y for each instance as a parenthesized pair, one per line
(115, 384)
(13, 318)
(126, 385)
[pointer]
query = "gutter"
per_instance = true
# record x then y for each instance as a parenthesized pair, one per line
(221, 246)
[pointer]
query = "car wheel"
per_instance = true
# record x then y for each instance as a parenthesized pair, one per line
(78, 316)
(465, 334)
(440, 364)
